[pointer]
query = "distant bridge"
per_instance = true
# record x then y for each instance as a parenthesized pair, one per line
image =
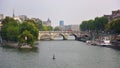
(52, 34)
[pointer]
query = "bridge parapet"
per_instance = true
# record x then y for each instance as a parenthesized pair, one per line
(53, 34)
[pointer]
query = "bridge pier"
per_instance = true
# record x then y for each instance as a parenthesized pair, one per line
(64, 38)
(51, 38)
(76, 38)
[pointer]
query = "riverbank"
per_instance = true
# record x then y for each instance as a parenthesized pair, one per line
(10, 44)
(112, 45)
(102, 41)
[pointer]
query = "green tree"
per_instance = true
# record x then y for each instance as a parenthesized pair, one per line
(10, 30)
(50, 28)
(83, 26)
(47, 28)
(98, 24)
(3, 32)
(12, 33)
(7, 20)
(56, 28)
(114, 26)
(40, 26)
(29, 27)
(30, 39)
(32, 22)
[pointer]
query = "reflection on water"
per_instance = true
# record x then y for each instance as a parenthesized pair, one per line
(35, 49)
(61, 38)
(68, 54)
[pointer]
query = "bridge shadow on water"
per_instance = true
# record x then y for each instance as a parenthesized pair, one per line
(60, 40)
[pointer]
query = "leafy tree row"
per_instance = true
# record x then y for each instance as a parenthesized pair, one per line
(98, 24)
(114, 26)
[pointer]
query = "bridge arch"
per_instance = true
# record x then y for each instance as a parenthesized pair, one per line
(64, 37)
(44, 36)
(75, 35)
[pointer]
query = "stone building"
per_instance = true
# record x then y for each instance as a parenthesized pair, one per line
(115, 14)
(23, 17)
(47, 23)
(1, 16)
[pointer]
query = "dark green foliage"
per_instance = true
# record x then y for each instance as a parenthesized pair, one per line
(114, 26)
(56, 29)
(10, 30)
(94, 25)
(14, 31)
(29, 27)
(47, 28)
(40, 26)
(30, 39)
(100, 23)
(7, 20)
(3, 32)
(32, 22)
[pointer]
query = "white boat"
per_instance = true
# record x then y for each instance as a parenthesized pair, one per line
(104, 41)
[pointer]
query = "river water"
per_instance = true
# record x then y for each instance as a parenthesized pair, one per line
(68, 54)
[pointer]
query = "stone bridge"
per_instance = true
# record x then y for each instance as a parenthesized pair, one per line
(52, 34)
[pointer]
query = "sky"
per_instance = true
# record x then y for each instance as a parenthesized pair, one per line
(70, 11)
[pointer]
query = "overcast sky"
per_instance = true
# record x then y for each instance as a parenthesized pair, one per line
(70, 11)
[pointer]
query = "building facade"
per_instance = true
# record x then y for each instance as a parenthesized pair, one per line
(75, 28)
(47, 23)
(114, 15)
(35, 19)
(1, 16)
(18, 19)
(61, 23)
(23, 17)
(69, 28)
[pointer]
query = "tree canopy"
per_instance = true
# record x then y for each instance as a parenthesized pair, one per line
(10, 29)
(13, 30)
(29, 27)
(26, 37)
(114, 26)
(57, 28)
(98, 24)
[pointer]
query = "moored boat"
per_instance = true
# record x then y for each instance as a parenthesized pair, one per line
(104, 41)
